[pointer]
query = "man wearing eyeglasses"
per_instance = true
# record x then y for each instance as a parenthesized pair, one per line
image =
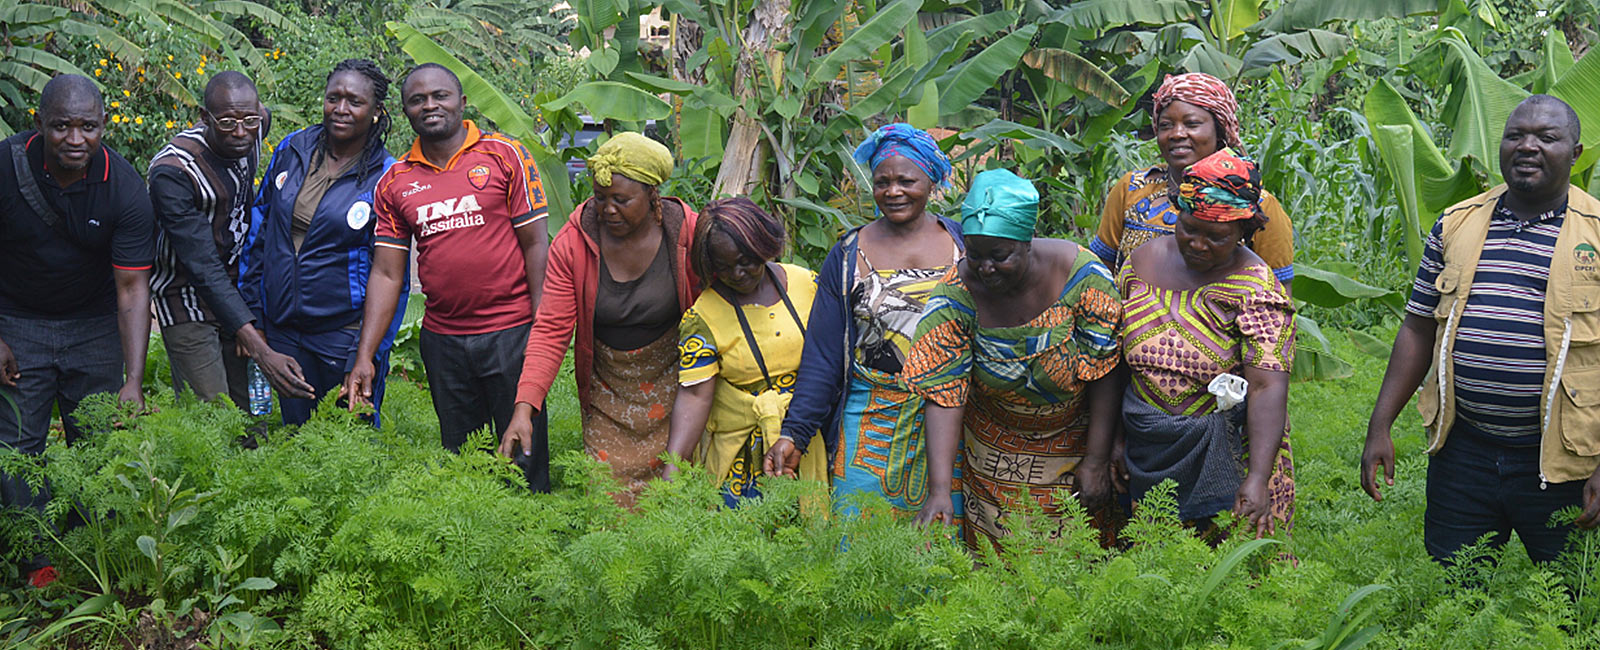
(201, 184)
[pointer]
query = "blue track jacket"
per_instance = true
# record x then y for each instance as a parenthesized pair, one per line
(323, 287)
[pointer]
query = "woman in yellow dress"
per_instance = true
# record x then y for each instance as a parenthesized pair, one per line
(739, 349)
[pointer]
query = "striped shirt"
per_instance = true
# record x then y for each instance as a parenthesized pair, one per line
(202, 205)
(1499, 359)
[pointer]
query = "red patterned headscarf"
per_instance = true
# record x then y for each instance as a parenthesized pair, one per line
(1207, 92)
(1223, 186)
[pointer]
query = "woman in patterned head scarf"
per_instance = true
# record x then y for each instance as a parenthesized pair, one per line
(1013, 356)
(1209, 344)
(1195, 115)
(870, 292)
(618, 280)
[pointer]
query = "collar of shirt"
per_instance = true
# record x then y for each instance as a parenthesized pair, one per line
(473, 135)
(1503, 213)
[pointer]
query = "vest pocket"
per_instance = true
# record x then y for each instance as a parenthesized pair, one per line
(1580, 417)
(1582, 301)
(1447, 283)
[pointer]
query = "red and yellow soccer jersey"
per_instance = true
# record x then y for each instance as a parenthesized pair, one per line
(463, 218)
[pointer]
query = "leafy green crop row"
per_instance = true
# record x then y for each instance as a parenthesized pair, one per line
(346, 537)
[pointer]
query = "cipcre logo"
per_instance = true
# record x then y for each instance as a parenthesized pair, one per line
(358, 215)
(282, 176)
(479, 176)
(1586, 257)
(449, 214)
(416, 187)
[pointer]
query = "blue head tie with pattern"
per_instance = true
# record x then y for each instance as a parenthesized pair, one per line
(911, 142)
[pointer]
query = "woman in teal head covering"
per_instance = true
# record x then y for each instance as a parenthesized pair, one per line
(1012, 356)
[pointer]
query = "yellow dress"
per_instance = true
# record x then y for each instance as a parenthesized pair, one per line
(712, 347)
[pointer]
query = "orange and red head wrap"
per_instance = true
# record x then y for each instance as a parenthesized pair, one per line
(1207, 92)
(1223, 186)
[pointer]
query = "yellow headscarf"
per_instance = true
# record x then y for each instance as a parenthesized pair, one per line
(632, 155)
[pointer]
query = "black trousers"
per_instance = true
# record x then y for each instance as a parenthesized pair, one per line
(473, 381)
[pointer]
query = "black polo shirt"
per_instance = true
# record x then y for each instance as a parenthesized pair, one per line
(108, 217)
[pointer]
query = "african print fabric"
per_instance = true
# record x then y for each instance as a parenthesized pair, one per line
(887, 305)
(883, 448)
(1205, 91)
(1026, 420)
(1137, 210)
(626, 419)
(1176, 342)
(712, 347)
(1222, 187)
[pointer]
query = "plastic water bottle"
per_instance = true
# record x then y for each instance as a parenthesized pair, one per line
(260, 391)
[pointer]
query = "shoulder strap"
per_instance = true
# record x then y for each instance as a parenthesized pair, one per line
(749, 336)
(31, 194)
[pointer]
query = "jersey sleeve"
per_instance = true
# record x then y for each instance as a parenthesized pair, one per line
(392, 230)
(1424, 293)
(525, 192)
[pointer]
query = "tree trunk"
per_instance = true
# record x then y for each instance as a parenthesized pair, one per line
(746, 162)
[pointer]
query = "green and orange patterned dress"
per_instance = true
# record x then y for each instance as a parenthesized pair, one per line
(1025, 426)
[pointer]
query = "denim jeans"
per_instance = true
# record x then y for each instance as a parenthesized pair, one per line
(1478, 486)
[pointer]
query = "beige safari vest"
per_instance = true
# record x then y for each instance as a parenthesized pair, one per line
(1569, 448)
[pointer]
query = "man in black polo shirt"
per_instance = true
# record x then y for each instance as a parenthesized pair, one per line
(75, 256)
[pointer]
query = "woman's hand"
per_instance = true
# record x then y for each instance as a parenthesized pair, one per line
(1094, 483)
(1253, 505)
(939, 507)
(783, 459)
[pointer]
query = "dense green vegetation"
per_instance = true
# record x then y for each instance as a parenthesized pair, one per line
(1368, 116)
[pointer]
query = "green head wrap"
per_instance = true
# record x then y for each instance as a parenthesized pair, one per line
(1000, 204)
(631, 155)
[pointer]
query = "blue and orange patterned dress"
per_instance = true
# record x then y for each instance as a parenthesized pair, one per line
(1026, 419)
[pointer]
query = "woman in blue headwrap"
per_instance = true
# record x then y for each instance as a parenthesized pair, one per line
(1015, 350)
(870, 293)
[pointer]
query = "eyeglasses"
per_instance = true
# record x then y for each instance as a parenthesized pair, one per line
(228, 123)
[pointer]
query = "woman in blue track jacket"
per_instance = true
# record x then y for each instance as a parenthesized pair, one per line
(309, 250)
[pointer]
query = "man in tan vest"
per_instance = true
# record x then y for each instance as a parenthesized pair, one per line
(1504, 324)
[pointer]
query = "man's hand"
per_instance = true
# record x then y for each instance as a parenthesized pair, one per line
(357, 388)
(1379, 452)
(282, 371)
(1591, 502)
(9, 372)
(1253, 504)
(518, 435)
(132, 393)
(783, 459)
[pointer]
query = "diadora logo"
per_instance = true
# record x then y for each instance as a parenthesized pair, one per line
(449, 214)
(416, 187)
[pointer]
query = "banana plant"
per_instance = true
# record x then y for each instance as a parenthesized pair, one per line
(1429, 178)
(25, 64)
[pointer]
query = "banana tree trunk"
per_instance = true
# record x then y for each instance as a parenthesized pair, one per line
(747, 160)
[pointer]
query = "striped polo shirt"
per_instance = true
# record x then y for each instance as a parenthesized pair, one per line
(1499, 359)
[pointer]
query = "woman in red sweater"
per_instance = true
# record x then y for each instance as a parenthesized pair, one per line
(617, 283)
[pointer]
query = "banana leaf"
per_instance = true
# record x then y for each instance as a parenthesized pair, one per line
(1296, 15)
(1294, 48)
(968, 81)
(1229, 18)
(1479, 100)
(862, 41)
(614, 100)
(1100, 16)
(1440, 183)
(1077, 72)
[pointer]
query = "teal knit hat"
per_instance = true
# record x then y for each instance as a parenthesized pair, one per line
(1000, 204)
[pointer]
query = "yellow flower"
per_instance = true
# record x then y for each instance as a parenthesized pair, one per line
(177, 75)
(169, 57)
(171, 124)
(119, 67)
(102, 62)
(125, 92)
(97, 72)
(200, 70)
(30, 111)
(116, 119)
(202, 58)
(138, 120)
(97, 46)
(116, 104)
